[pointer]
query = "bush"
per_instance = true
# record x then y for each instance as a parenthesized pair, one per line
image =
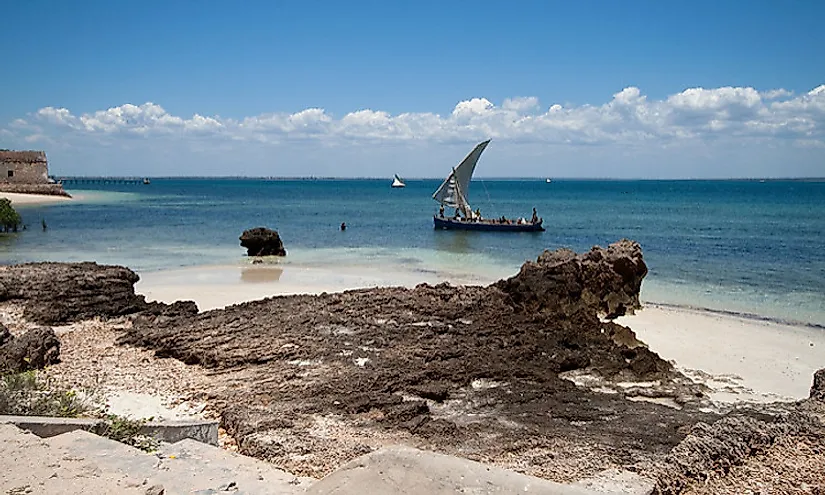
(9, 218)
(24, 394)
(127, 431)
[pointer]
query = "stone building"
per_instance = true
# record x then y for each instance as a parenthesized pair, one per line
(24, 167)
(27, 172)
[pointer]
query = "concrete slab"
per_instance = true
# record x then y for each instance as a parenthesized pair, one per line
(406, 470)
(32, 465)
(187, 467)
(109, 455)
(197, 466)
(165, 431)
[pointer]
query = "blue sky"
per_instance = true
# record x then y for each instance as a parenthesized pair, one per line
(582, 89)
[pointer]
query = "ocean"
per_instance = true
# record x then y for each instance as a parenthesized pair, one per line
(741, 246)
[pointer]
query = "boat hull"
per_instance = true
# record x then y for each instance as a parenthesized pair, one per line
(486, 226)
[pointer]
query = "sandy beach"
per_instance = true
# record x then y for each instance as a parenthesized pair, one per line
(18, 199)
(214, 287)
(740, 359)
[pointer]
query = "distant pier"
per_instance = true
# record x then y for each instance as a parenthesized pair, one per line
(101, 180)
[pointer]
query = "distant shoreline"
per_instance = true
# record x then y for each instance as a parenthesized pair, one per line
(381, 178)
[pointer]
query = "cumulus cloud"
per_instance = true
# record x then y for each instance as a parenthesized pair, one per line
(521, 104)
(628, 118)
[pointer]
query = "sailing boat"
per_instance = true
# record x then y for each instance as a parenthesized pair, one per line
(454, 192)
(397, 182)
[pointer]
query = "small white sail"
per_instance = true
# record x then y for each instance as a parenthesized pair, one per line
(455, 189)
(397, 182)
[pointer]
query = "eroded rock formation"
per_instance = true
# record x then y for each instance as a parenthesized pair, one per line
(605, 280)
(818, 386)
(58, 293)
(261, 241)
(35, 349)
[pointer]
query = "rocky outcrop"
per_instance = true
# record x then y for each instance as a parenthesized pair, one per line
(58, 293)
(605, 280)
(744, 436)
(44, 189)
(35, 349)
(711, 450)
(386, 356)
(261, 241)
(818, 387)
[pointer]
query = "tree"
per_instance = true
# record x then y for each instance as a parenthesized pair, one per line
(9, 218)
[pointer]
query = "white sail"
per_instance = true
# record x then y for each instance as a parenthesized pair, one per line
(455, 189)
(397, 182)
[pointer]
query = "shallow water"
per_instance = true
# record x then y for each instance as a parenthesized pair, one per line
(741, 246)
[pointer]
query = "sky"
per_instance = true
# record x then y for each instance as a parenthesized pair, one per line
(639, 89)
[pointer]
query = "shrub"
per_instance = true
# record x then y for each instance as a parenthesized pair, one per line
(9, 218)
(24, 394)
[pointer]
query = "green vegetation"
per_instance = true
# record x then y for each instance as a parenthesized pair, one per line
(24, 394)
(29, 394)
(126, 430)
(9, 218)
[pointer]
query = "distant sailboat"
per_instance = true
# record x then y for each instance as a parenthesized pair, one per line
(397, 182)
(454, 192)
(549, 180)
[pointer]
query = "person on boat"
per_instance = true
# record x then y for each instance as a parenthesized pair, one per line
(535, 216)
(478, 214)
(441, 211)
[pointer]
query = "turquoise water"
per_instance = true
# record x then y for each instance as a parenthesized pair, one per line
(741, 246)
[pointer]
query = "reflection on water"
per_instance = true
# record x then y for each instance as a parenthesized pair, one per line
(260, 274)
(454, 241)
(8, 239)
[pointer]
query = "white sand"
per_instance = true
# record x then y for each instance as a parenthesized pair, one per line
(33, 199)
(219, 286)
(742, 359)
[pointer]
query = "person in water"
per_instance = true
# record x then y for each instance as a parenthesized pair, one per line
(343, 226)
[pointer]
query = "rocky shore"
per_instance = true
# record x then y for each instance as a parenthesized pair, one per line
(40, 189)
(310, 382)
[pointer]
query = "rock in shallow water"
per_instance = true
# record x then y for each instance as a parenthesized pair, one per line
(261, 241)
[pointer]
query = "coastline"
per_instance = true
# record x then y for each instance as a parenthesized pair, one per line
(741, 358)
(26, 199)
(330, 354)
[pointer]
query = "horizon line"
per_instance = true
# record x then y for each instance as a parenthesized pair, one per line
(382, 178)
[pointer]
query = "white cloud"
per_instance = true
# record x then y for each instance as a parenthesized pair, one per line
(521, 104)
(776, 93)
(628, 121)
